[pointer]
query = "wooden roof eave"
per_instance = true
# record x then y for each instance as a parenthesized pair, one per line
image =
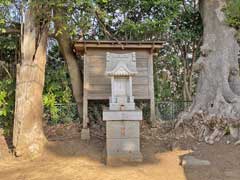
(82, 46)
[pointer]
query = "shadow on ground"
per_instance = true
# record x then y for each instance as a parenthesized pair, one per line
(74, 159)
(224, 159)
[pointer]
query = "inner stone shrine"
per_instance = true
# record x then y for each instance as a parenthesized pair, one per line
(121, 68)
(122, 117)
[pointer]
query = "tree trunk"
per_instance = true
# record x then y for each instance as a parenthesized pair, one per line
(65, 45)
(28, 135)
(217, 101)
(66, 48)
(187, 96)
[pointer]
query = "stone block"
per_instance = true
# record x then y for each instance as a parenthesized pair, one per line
(120, 151)
(123, 146)
(122, 115)
(119, 159)
(118, 107)
(122, 129)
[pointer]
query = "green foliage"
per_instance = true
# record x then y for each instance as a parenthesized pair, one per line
(8, 53)
(177, 22)
(180, 52)
(57, 98)
(136, 20)
(232, 12)
(168, 78)
(7, 100)
(74, 17)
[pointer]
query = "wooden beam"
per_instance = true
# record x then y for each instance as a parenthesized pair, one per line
(85, 93)
(151, 91)
(81, 46)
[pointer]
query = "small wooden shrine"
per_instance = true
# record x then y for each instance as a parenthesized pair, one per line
(97, 83)
(121, 68)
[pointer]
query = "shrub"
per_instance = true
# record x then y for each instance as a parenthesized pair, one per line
(57, 98)
(7, 101)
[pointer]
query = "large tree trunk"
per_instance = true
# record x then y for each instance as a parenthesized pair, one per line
(65, 45)
(28, 136)
(217, 102)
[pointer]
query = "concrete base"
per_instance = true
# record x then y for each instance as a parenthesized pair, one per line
(85, 134)
(122, 136)
(123, 150)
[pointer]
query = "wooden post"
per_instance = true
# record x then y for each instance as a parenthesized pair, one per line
(85, 133)
(130, 86)
(113, 90)
(151, 91)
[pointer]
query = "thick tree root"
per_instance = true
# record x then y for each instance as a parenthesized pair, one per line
(205, 127)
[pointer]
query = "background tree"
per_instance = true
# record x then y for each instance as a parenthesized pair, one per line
(69, 25)
(9, 55)
(174, 76)
(59, 106)
(28, 136)
(136, 20)
(216, 105)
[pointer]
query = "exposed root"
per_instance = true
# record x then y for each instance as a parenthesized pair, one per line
(205, 127)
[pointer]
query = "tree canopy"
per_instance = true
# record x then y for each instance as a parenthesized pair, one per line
(177, 22)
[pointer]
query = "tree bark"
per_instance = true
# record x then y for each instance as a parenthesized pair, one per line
(74, 68)
(187, 95)
(65, 45)
(28, 135)
(217, 101)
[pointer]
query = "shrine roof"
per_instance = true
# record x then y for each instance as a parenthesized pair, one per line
(81, 46)
(121, 64)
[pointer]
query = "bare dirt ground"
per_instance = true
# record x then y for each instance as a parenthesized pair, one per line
(68, 158)
(224, 158)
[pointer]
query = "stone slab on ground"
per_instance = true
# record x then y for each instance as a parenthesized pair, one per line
(232, 174)
(237, 143)
(192, 161)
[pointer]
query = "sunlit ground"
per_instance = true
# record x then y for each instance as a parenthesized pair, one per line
(76, 160)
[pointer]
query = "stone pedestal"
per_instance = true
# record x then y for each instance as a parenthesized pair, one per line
(122, 118)
(122, 136)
